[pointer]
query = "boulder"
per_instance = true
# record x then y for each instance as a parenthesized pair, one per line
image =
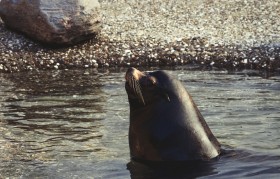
(53, 22)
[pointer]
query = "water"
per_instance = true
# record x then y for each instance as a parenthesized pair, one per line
(74, 124)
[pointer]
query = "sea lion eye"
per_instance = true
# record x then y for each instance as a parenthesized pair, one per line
(153, 80)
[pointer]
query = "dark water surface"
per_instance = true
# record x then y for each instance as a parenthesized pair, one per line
(74, 124)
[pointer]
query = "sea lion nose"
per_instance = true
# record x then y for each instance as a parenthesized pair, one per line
(129, 73)
(133, 72)
(131, 69)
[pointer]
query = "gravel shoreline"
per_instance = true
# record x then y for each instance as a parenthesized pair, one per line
(228, 35)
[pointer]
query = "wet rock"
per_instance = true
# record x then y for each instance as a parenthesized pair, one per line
(60, 22)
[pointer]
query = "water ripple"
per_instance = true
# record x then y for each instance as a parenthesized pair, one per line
(77, 122)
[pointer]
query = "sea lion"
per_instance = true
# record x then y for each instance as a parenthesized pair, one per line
(165, 123)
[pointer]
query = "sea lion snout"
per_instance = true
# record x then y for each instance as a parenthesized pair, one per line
(143, 77)
(133, 72)
(137, 82)
(132, 78)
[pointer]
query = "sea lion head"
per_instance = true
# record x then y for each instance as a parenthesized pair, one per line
(144, 88)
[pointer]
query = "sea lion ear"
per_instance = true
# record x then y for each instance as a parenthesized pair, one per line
(166, 97)
(165, 94)
(163, 91)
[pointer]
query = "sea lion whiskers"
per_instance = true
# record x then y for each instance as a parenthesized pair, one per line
(136, 87)
(139, 92)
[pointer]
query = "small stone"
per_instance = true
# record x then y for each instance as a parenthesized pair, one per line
(95, 65)
(29, 68)
(245, 61)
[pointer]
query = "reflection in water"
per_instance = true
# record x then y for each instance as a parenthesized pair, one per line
(171, 170)
(53, 116)
(74, 124)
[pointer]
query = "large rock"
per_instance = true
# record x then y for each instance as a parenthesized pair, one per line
(59, 22)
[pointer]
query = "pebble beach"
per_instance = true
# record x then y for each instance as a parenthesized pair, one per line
(237, 34)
